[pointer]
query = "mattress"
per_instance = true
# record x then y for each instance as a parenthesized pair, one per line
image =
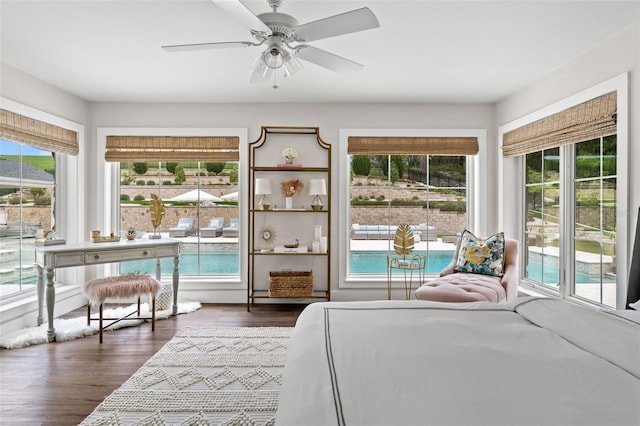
(527, 362)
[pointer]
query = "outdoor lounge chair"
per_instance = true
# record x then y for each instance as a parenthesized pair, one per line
(232, 229)
(213, 229)
(184, 228)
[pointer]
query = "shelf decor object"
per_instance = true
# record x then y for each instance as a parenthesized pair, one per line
(289, 189)
(156, 210)
(289, 155)
(317, 187)
(291, 284)
(263, 188)
(297, 264)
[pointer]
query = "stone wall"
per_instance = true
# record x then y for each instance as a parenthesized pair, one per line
(138, 216)
(32, 216)
(444, 222)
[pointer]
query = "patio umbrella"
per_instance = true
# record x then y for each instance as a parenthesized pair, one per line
(232, 196)
(195, 195)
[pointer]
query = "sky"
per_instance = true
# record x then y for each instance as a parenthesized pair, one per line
(13, 148)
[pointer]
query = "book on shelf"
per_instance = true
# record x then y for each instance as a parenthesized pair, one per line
(295, 166)
(283, 249)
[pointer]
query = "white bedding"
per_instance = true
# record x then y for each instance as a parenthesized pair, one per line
(526, 362)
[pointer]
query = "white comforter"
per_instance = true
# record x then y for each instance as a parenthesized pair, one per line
(527, 362)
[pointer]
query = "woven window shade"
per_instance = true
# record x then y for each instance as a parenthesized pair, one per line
(36, 133)
(172, 148)
(589, 120)
(359, 145)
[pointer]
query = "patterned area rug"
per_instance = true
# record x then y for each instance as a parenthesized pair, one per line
(203, 376)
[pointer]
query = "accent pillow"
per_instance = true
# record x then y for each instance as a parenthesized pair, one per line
(479, 256)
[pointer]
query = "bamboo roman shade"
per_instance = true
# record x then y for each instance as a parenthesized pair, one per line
(361, 145)
(589, 120)
(36, 133)
(173, 148)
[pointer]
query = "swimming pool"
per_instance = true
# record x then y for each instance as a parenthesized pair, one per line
(226, 262)
(364, 262)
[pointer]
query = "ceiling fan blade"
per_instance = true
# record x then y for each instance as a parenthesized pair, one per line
(205, 46)
(326, 59)
(242, 13)
(344, 23)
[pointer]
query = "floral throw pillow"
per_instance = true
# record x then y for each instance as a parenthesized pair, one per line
(479, 256)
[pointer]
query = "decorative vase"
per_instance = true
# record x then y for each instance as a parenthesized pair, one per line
(288, 160)
(131, 234)
(288, 202)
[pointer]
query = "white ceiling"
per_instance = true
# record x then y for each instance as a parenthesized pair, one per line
(424, 51)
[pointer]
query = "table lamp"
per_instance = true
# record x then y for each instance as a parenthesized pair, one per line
(317, 187)
(263, 188)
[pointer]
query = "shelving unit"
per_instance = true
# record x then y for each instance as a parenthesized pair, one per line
(286, 226)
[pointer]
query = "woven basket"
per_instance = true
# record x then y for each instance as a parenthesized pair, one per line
(291, 284)
(165, 298)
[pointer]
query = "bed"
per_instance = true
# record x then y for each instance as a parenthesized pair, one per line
(531, 361)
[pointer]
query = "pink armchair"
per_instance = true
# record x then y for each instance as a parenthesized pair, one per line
(453, 286)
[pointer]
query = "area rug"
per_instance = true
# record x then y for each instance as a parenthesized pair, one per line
(74, 328)
(203, 376)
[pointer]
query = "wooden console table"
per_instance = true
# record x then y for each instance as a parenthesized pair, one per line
(49, 258)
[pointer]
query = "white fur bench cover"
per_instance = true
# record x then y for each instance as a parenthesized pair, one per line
(121, 286)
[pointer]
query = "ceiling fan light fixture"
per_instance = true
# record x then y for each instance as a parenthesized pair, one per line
(273, 57)
(291, 66)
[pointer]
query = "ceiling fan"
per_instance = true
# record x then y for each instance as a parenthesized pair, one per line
(285, 39)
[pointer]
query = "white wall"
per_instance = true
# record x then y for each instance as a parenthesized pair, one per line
(616, 56)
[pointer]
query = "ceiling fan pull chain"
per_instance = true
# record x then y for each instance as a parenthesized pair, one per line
(275, 80)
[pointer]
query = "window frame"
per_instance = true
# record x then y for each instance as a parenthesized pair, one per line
(379, 281)
(513, 189)
(108, 208)
(70, 188)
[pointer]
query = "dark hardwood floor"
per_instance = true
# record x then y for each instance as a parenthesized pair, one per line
(61, 383)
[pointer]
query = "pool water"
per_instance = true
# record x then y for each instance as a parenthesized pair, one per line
(361, 262)
(226, 263)
(550, 275)
(209, 263)
(375, 262)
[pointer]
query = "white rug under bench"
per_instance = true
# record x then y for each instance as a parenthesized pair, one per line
(204, 376)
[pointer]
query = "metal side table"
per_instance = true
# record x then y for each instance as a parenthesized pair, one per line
(409, 265)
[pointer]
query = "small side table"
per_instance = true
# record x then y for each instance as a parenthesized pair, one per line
(408, 265)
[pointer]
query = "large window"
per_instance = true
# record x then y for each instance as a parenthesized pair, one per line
(427, 192)
(27, 194)
(590, 172)
(196, 178)
(204, 194)
(570, 164)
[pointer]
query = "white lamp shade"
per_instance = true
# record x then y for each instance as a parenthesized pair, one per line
(263, 186)
(317, 187)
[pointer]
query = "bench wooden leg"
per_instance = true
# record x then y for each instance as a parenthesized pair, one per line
(153, 314)
(101, 322)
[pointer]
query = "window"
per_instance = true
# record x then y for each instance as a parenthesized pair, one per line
(32, 148)
(591, 217)
(206, 193)
(27, 194)
(427, 192)
(200, 198)
(570, 208)
(419, 181)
